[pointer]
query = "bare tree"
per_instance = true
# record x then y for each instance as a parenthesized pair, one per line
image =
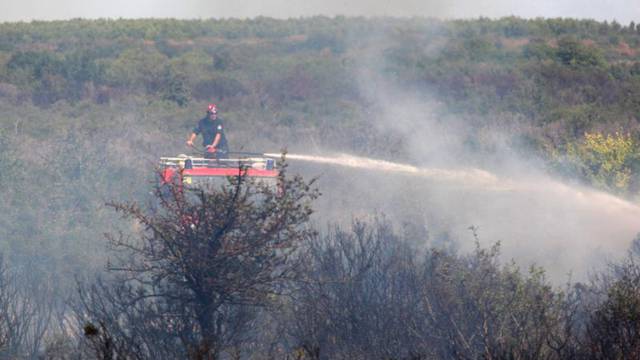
(26, 309)
(359, 298)
(8, 294)
(187, 283)
(369, 294)
(478, 308)
(613, 328)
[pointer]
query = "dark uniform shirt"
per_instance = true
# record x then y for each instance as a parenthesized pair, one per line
(209, 128)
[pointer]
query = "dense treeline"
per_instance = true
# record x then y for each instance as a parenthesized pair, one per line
(87, 106)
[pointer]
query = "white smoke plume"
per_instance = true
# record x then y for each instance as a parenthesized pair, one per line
(447, 187)
(567, 229)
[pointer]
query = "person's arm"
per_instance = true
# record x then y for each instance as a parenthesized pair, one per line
(191, 138)
(216, 140)
(194, 133)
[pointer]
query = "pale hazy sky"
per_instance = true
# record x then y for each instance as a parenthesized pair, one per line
(623, 11)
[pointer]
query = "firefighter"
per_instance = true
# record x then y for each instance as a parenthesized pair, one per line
(213, 139)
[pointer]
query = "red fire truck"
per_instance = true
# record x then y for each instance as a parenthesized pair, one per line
(198, 171)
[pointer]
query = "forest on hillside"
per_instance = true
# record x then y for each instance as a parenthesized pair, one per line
(549, 81)
(88, 106)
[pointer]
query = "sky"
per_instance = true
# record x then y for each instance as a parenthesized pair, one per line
(622, 11)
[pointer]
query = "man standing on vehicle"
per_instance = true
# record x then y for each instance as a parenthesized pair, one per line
(213, 138)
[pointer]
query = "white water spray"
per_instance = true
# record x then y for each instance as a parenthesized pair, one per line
(469, 176)
(474, 177)
(565, 228)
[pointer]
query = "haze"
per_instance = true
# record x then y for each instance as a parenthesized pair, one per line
(622, 11)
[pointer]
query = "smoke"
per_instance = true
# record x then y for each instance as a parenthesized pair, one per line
(445, 185)
(567, 229)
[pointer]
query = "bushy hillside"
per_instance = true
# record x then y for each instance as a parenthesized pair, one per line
(548, 80)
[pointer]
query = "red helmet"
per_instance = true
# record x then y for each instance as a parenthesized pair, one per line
(212, 108)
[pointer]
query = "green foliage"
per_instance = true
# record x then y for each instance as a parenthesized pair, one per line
(175, 87)
(328, 39)
(606, 161)
(223, 60)
(243, 60)
(219, 87)
(573, 53)
(35, 64)
(538, 49)
(137, 68)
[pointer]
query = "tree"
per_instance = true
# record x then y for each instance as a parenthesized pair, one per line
(613, 329)
(368, 294)
(605, 160)
(573, 53)
(359, 297)
(175, 87)
(26, 309)
(201, 262)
